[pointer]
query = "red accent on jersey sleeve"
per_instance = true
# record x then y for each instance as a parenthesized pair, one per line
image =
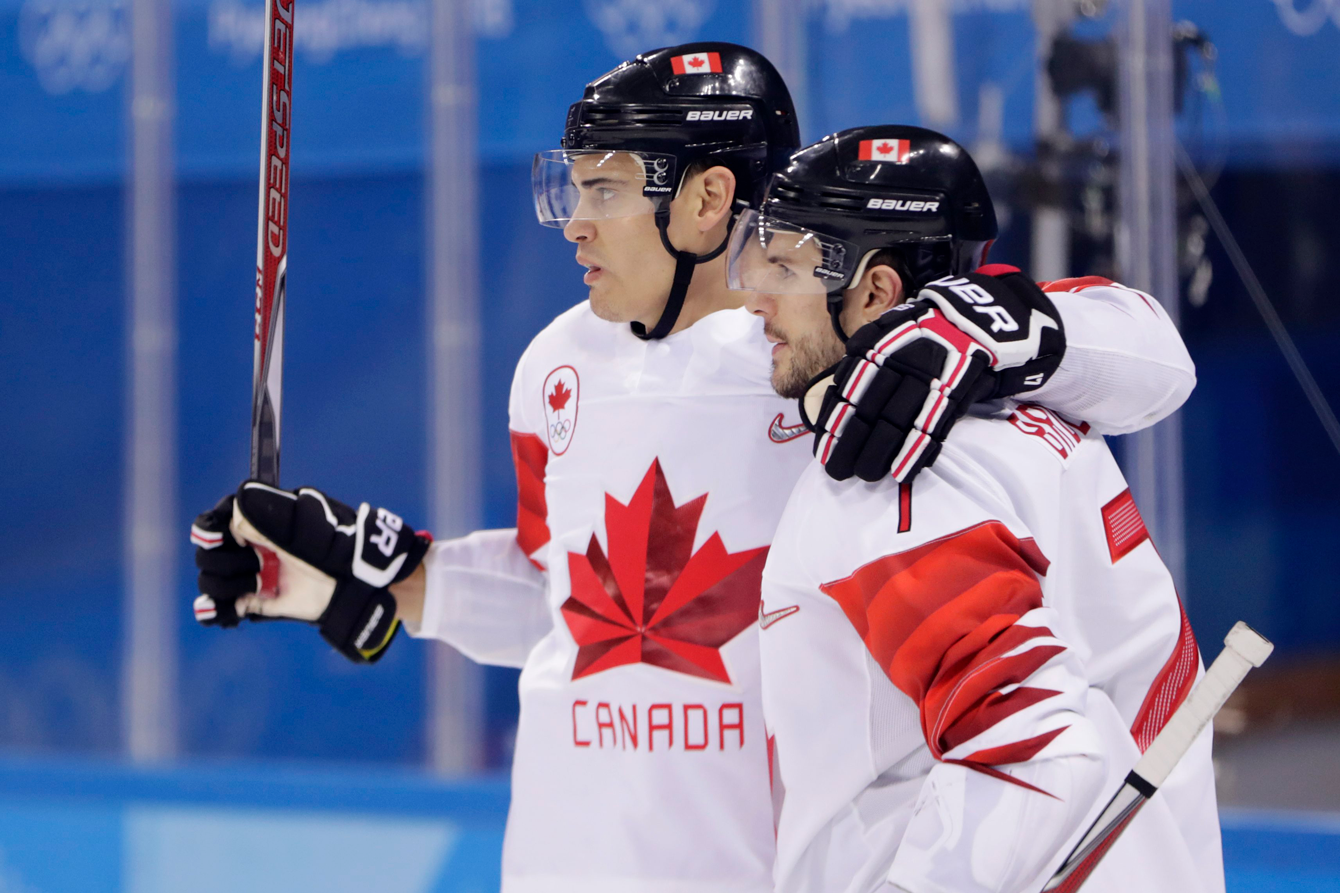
(530, 456)
(1074, 284)
(1124, 527)
(1082, 282)
(1004, 776)
(941, 619)
(1017, 752)
(1170, 688)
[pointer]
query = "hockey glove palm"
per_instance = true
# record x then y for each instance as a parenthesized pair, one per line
(911, 374)
(272, 554)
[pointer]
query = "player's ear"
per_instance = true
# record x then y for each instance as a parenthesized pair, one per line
(886, 289)
(879, 290)
(714, 191)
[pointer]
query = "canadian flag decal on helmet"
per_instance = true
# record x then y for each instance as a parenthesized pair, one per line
(696, 63)
(896, 151)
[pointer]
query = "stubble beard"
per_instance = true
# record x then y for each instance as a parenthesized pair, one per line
(809, 355)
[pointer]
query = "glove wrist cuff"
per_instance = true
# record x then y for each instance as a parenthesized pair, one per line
(360, 621)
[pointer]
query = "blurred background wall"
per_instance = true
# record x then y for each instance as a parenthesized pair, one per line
(1260, 117)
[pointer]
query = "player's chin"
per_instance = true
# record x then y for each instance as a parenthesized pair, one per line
(785, 380)
(603, 305)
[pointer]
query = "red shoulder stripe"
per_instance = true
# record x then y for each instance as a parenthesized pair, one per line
(1075, 283)
(940, 620)
(530, 455)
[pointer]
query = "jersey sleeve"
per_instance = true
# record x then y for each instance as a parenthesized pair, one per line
(485, 594)
(958, 624)
(530, 457)
(1125, 365)
(484, 598)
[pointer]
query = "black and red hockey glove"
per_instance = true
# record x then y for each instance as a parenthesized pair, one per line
(911, 374)
(267, 553)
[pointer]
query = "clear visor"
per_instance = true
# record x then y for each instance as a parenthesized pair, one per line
(594, 185)
(773, 256)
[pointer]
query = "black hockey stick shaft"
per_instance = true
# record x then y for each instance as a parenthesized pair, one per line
(272, 241)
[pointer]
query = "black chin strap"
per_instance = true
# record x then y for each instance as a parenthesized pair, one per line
(835, 314)
(685, 261)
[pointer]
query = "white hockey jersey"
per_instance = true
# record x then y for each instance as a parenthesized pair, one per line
(648, 485)
(651, 476)
(958, 672)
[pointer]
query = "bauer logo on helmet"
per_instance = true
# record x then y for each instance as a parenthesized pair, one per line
(719, 115)
(899, 204)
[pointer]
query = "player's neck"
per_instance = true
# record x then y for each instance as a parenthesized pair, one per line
(707, 294)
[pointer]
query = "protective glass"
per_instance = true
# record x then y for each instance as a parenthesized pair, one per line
(776, 257)
(595, 185)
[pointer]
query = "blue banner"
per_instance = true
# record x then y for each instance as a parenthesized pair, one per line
(359, 86)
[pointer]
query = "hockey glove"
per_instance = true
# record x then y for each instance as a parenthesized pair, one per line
(911, 374)
(271, 554)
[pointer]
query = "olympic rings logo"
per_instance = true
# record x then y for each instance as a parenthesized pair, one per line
(1306, 22)
(559, 430)
(75, 44)
(630, 26)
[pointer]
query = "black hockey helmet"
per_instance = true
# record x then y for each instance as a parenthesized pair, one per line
(671, 108)
(855, 193)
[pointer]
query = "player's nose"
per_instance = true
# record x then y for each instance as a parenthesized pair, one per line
(579, 230)
(760, 304)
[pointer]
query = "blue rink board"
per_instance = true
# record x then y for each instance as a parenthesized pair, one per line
(89, 827)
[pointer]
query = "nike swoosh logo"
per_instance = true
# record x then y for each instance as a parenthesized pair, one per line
(781, 433)
(768, 619)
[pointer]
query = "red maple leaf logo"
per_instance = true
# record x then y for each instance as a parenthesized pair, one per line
(559, 398)
(653, 602)
(697, 62)
(884, 148)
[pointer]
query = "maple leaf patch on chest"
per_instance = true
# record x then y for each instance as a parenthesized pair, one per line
(653, 600)
(561, 392)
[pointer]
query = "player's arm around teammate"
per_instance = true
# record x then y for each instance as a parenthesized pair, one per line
(932, 722)
(1093, 350)
(951, 628)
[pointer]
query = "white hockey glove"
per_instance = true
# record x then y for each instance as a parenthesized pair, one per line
(272, 554)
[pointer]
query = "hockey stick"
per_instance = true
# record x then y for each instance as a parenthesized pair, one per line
(272, 241)
(1244, 648)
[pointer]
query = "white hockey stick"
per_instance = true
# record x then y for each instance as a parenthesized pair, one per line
(1244, 648)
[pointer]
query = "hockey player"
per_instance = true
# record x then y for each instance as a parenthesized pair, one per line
(653, 460)
(959, 670)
